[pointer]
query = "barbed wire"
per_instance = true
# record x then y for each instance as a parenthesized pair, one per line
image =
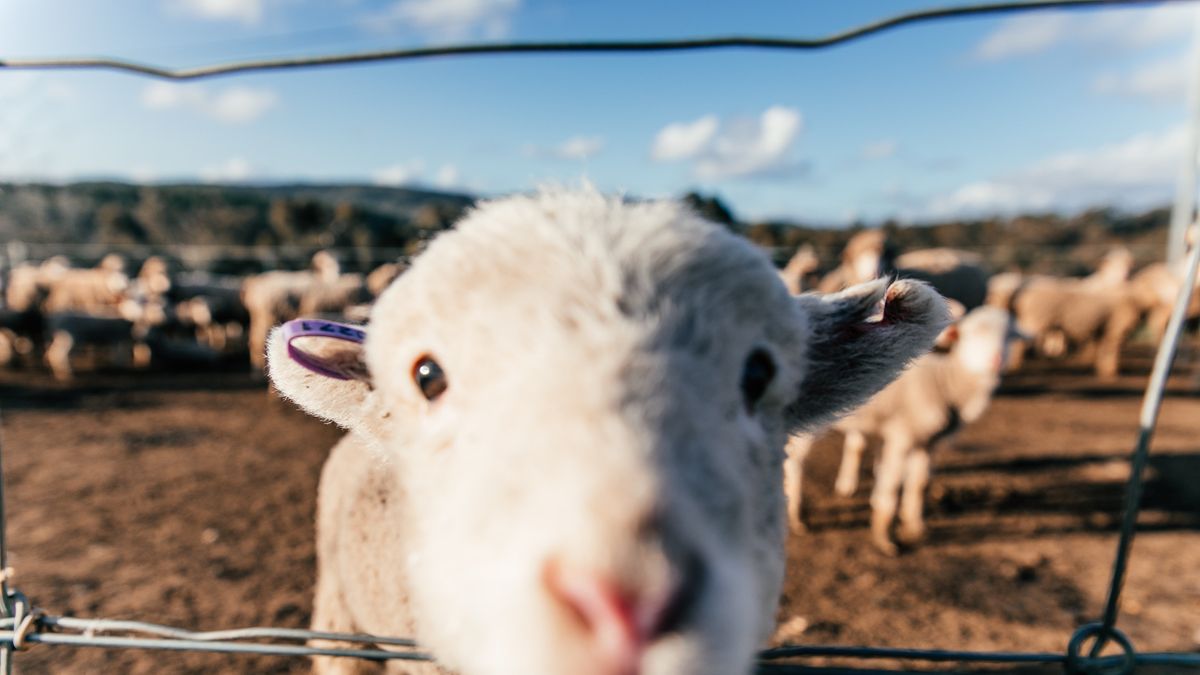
(563, 47)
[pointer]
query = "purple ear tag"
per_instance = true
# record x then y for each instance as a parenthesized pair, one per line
(299, 328)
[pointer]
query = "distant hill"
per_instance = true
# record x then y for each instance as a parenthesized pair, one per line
(82, 220)
(242, 228)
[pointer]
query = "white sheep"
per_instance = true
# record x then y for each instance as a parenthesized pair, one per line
(862, 260)
(569, 459)
(273, 297)
(802, 263)
(924, 406)
(958, 275)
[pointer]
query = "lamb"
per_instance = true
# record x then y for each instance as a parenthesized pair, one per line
(1092, 314)
(334, 297)
(569, 461)
(802, 263)
(923, 407)
(862, 260)
(211, 306)
(130, 335)
(99, 290)
(957, 275)
(28, 284)
(273, 297)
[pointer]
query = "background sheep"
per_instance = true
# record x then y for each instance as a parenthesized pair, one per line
(273, 297)
(862, 260)
(924, 406)
(803, 263)
(575, 466)
(958, 275)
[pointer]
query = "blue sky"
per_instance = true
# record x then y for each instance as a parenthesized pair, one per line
(1050, 110)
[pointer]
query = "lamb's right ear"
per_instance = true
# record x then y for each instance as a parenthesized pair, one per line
(319, 365)
(860, 340)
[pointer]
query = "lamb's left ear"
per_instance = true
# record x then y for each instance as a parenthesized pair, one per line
(856, 347)
(319, 365)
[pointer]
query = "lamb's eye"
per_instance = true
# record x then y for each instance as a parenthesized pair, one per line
(757, 374)
(430, 378)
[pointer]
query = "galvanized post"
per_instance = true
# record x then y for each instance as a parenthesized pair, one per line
(1183, 212)
(6, 601)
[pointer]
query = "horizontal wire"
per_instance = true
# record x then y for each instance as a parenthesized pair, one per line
(581, 46)
(227, 641)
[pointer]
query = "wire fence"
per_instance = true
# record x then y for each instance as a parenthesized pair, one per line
(568, 47)
(22, 625)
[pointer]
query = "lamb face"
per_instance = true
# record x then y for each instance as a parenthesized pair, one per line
(586, 402)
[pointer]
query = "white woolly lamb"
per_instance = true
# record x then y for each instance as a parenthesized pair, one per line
(924, 406)
(569, 459)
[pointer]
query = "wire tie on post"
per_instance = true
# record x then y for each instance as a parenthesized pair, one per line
(1077, 664)
(24, 619)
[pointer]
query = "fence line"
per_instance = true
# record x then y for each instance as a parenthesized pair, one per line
(599, 46)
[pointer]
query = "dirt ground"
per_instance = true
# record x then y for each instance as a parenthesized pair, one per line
(188, 500)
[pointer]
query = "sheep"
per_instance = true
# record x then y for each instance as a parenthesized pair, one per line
(273, 297)
(334, 297)
(1150, 296)
(924, 407)
(862, 260)
(957, 275)
(93, 291)
(28, 284)
(211, 305)
(381, 276)
(131, 334)
(803, 263)
(569, 461)
(153, 279)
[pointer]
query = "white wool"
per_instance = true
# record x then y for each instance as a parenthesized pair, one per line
(594, 350)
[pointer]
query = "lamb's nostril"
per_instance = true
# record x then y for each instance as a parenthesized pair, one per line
(621, 623)
(608, 618)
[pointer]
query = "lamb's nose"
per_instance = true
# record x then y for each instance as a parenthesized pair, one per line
(621, 623)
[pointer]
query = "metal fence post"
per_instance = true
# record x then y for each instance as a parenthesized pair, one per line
(6, 606)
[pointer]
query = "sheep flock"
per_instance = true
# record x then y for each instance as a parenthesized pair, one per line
(576, 424)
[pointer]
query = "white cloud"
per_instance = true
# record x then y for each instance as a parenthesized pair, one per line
(1138, 171)
(580, 147)
(574, 148)
(233, 105)
(232, 170)
(1162, 81)
(881, 149)
(402, 173)
(684, 140)
(1127, 28)
(1026, 34)
(738, 147)
(248, 12)
(238, 105)
(449, 19)
(448, 177)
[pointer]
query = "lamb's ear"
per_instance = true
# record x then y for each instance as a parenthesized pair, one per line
(859, 341)
(319, 365)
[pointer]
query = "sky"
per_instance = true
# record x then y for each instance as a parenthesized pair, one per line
(1046, 111)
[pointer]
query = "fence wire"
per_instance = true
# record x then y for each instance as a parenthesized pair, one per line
(563, 47)
(22, 625)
